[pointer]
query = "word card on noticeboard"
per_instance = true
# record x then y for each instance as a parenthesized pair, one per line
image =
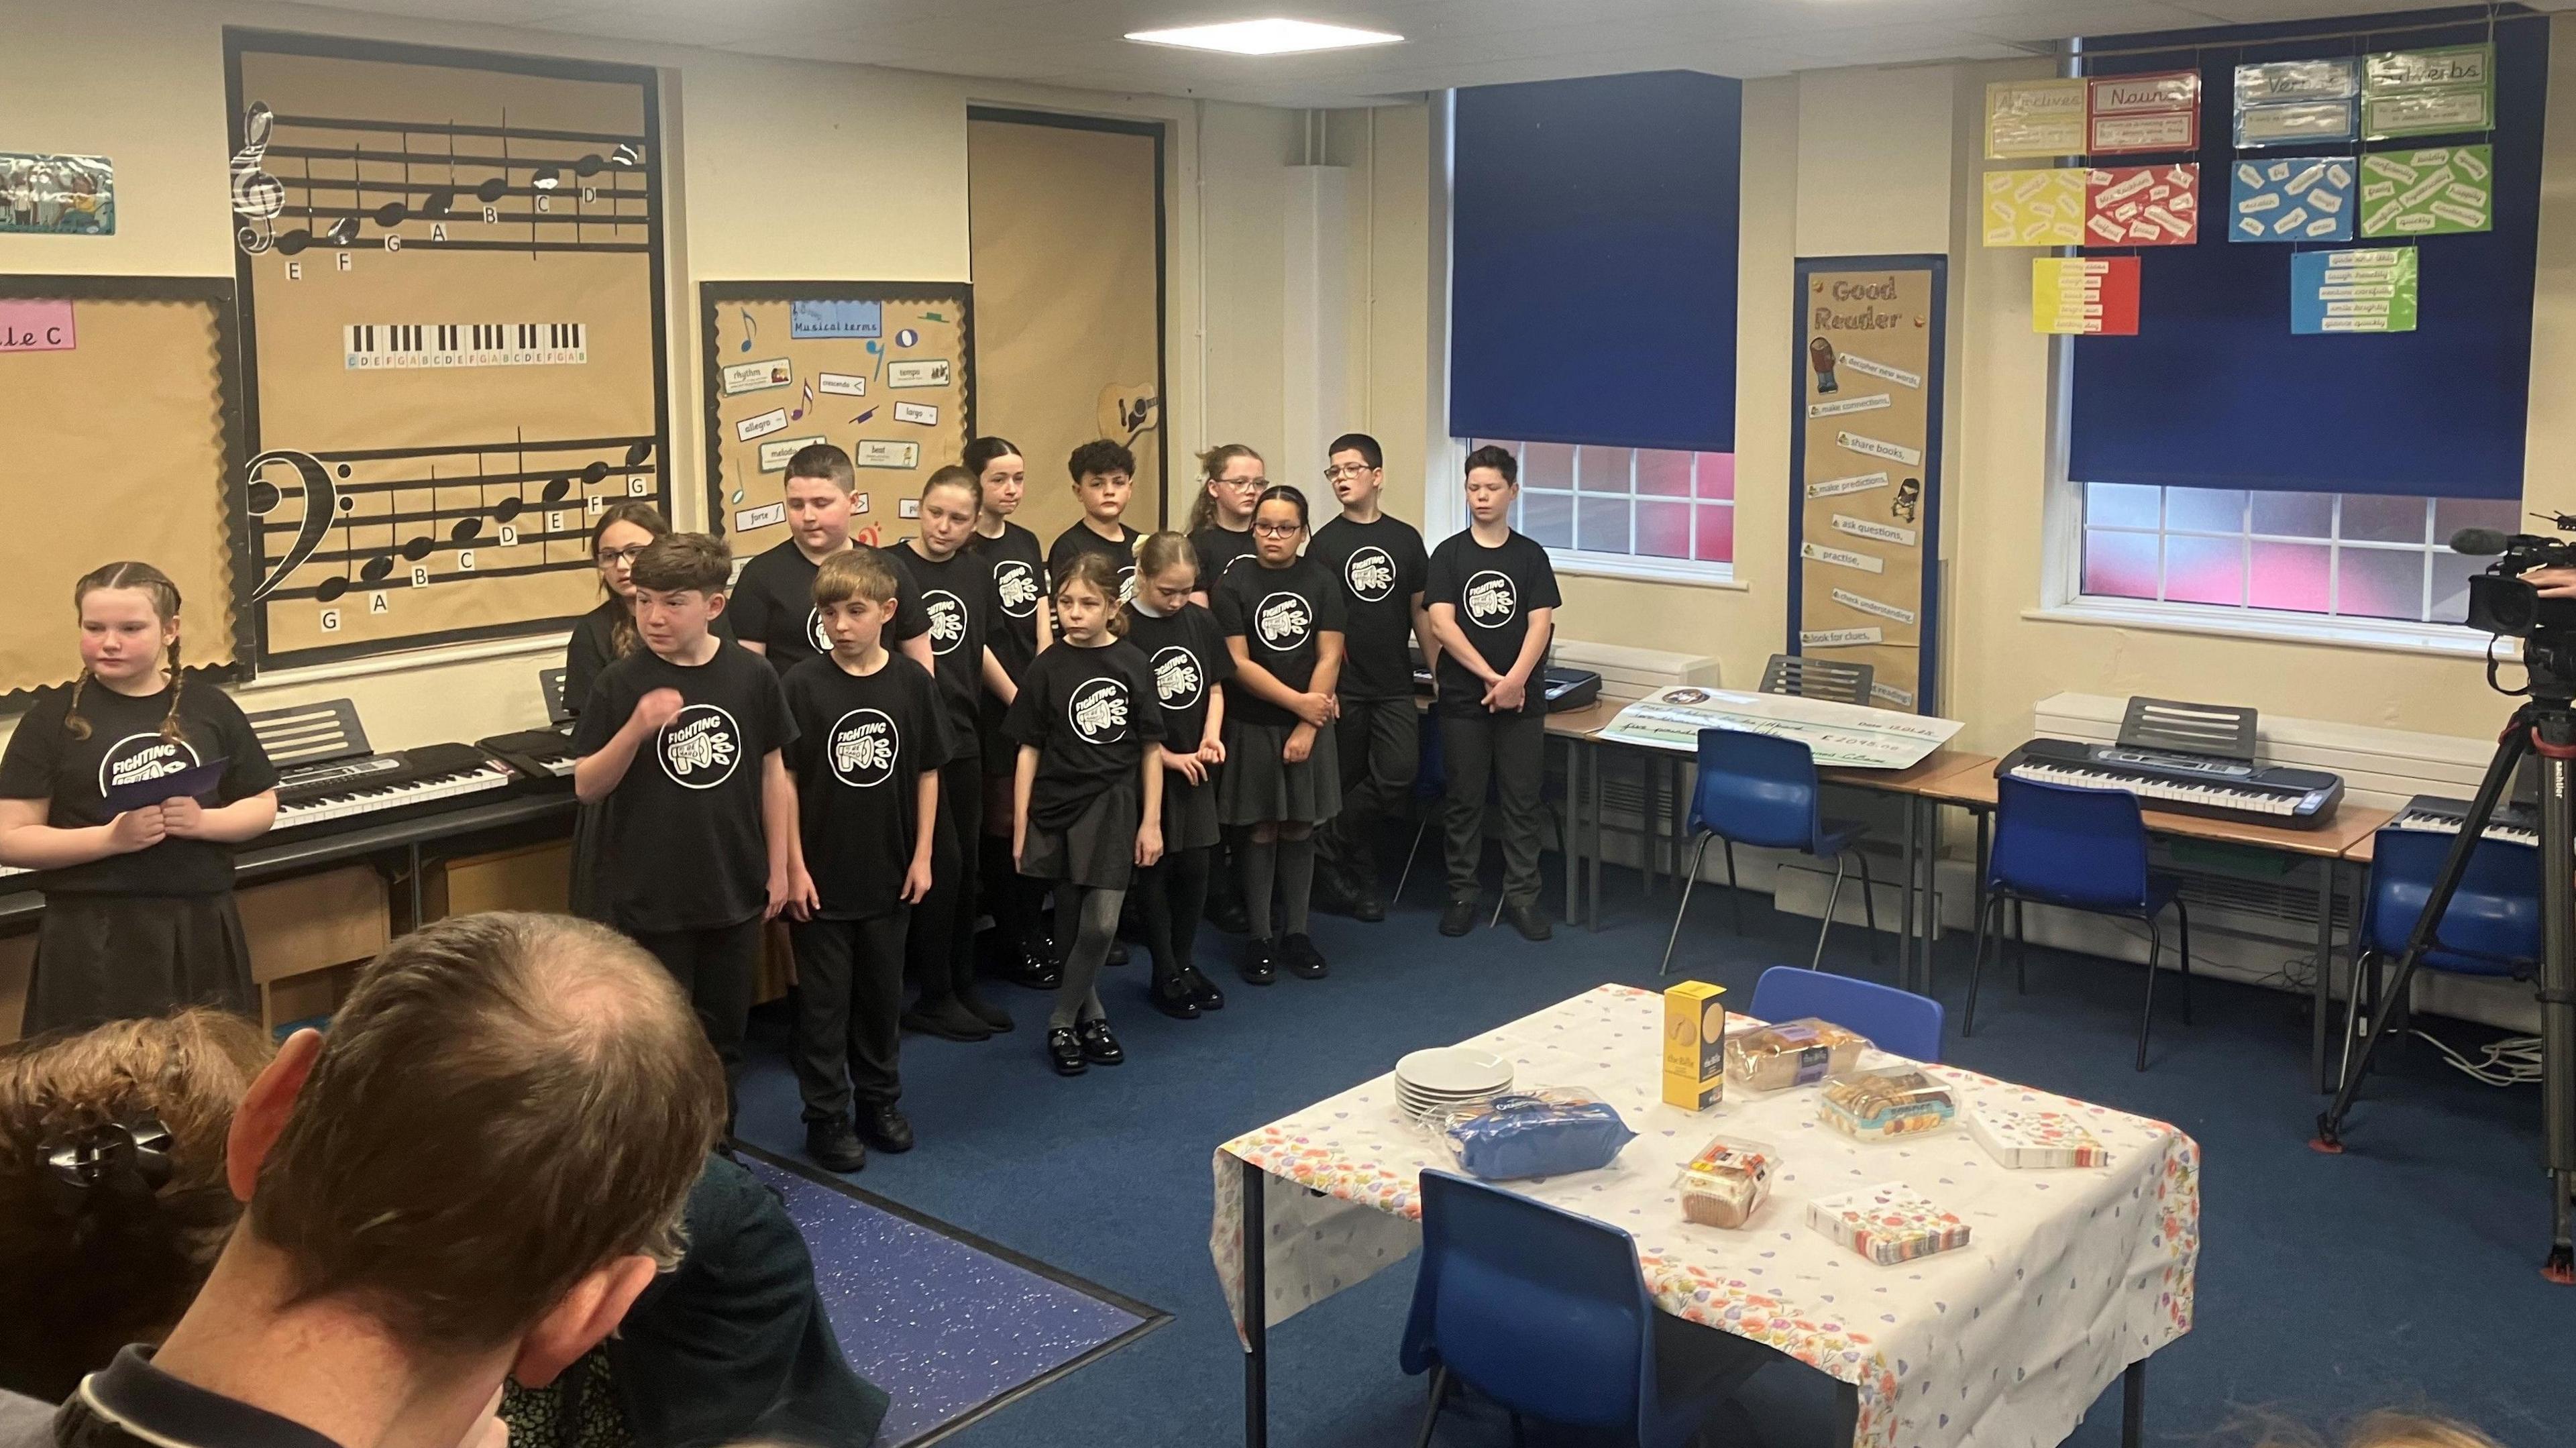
(1871, 388)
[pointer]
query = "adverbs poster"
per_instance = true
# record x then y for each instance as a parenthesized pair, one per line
(2428, 92)
(2440, 192)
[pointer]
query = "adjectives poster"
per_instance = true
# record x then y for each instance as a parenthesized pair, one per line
(1865, 464)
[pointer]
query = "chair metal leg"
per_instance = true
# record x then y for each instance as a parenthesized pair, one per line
(1411, 855)
(1993, 905)
(1439, 1394)
(2155, 952)
(2021, 950)
(1831, 899)
(1869, 911)
(2182, 917)
(1734, 899)
(1684, 908)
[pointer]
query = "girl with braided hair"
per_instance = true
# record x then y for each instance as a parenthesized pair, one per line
(139, 913)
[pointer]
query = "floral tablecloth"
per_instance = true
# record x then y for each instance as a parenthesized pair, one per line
(2069, 1276)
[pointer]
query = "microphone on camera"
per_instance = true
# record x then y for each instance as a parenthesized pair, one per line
(2487, 542)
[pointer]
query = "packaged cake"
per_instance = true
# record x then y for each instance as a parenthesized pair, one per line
(1543, 1133)
(1792, 1053)
(1887, 1224)
(1724, 1185)
(2030, 1138)
(1884, 1104)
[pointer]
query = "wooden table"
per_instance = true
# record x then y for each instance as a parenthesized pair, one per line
(2329, 844)
(1913, 785)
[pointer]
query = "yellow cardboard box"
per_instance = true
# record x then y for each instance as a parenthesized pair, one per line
(1694, 1045)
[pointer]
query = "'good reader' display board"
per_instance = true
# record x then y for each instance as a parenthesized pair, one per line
(1865, 457)
(884, 369)
(450, 268)
(124, 438)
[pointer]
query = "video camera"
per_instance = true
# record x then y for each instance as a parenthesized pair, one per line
(2500, 602)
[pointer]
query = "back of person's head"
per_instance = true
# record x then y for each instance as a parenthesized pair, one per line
(2384, 1428)
(113, 1202)
(677, 561)
(506, 1105)
(861, 573)
(825, 461)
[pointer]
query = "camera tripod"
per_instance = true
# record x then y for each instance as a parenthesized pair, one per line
(2544, 726)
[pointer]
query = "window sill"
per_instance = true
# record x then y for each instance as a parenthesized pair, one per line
(1645, 570)
(2440, 640)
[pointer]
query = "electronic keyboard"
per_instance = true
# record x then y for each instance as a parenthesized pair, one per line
(372, 784)
(539, 755)
(2514, 820)
(2183, 782)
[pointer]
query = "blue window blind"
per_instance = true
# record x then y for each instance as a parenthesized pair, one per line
(1592, 281)
(2215, 392)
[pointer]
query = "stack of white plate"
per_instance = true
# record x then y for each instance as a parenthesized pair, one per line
(1445, 1076)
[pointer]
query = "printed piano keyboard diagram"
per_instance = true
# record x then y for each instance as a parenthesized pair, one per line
(450, 275)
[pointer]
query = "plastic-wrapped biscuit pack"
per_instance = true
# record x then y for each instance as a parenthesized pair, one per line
(1548, 1132)
(1724, 1185)
(1883, 1105)
(1792, 1053)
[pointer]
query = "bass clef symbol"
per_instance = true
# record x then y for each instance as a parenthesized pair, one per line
(257, 196)
(321, 509)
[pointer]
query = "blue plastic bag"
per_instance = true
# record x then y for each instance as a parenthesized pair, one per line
(1535, 1135)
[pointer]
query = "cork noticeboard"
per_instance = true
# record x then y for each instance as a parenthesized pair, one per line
(1865, 455)
(885, 370)
(124, 436)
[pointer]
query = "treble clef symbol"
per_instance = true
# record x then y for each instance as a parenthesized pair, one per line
(257, 196)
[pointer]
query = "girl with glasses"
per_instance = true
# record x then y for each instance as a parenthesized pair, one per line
(1221, 520)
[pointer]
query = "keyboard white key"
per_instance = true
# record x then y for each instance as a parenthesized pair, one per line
(2450, 825)
(2148, 788)
(362, 801)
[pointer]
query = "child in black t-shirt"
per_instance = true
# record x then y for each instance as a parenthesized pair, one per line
(1231, 479)
(871, 737)
(1188, 655)
(684, 740)
(772, 605)
(1088, 794)
(1282, 616)
(1492, 598)
(1380, 563)
(138, 881)
(1017, 946)
(1104, 476)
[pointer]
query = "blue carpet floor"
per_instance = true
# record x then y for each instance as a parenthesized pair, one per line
(2405, 1273)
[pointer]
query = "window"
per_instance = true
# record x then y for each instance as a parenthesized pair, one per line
(2346, 555)
(1617, 506)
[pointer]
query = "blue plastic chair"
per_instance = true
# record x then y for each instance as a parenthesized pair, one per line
(2079, 849)
(2492, 927)
(1546, 1312)
(1430, 786)
(1895, 1020)
(1762, 790)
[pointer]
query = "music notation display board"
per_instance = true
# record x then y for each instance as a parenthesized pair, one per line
(884, 369)
(450, 270)
(124, 435)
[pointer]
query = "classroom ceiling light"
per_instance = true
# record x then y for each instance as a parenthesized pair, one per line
(1273, 36)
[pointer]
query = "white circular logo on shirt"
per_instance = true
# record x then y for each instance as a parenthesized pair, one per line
(1370, 574)
(699, 747)
(1098, 711)
(1127, 583)
(1285, 621)
(1490, 600)
(1179, 682)
(862, 746)
(947, 620)
(815, 630)
(140, 757)
(1016, 584)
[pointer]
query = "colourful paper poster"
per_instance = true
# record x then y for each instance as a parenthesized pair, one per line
(62, 195)
(2438, 192)
(2035, 208)
(2297, 102)
(2084, 296)
(2143, 205)
(2030, 118)
(2428, 92)
(2369, 290)
(2292, 198)
(2158, 112)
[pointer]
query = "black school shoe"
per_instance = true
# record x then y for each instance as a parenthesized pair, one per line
(1031, 964)
(1260, 962)
(1064, 1051)
(1202, 990)
(1171, 994)
(1117, 953)
(947, 1020)
(994, 1017)
(834, 1146)
(1098, 1046)
(1366, 907)
(1458, 917)
(1303, 960)
(885, 1128)
(1528, 921)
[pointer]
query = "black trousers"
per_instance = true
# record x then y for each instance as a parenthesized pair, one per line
(849, 995)
(939, 953)
(1380, 743)
(715, 967)
(1510, 751)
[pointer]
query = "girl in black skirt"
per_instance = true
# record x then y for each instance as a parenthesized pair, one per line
(1017, 950)
(1087, 793)
(1187, 652)
(139, 914)
(1282, 616)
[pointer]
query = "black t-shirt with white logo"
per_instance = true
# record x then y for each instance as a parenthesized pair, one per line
(1187, 652)
(773, 606)
(862, 743)
(1282, 615)
(684, 824)
(1018, 568)
(956, 596)
(593, 646)
(1090, 713)
(1381, 566)
(1221, 551)
(125, 744)
(1077, 540)
(1493, 590)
